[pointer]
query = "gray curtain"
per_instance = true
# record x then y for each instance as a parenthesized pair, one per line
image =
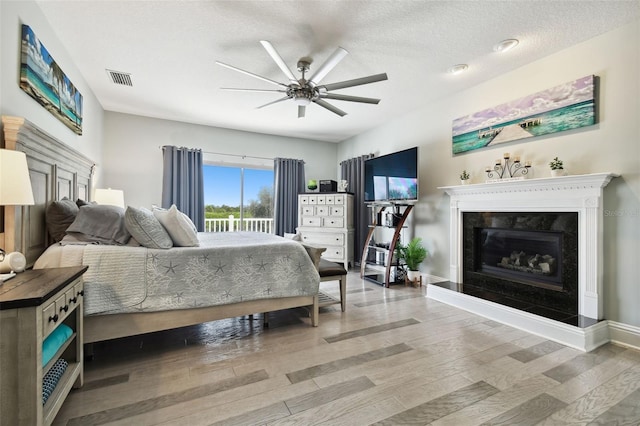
(352, 170)
(288, 182)
(183, 182)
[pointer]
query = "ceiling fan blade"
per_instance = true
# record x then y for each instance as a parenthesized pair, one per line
(274, 102)
(355, 82)
(328, 65)
(330, 107)
(279, 61)
(301, 110)
(349, 98)
(234, 89)
(259, 77)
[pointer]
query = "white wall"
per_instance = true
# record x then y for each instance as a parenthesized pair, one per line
(133, 158)
(612, 145)
(14, 101)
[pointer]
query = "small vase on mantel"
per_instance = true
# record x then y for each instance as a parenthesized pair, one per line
(557, 167)
(413, 275)
(464, 177)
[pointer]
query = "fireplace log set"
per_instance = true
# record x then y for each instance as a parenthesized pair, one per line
(534, 264)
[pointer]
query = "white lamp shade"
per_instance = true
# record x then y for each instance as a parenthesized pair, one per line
(110, 197)
(15, 183)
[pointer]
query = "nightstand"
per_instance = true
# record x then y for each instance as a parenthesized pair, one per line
(32, 306)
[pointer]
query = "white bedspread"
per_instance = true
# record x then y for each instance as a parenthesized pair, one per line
(226, 268)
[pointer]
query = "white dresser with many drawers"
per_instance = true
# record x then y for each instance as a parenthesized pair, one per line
(326, 220)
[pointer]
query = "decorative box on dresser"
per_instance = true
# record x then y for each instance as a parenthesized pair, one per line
(326, 219)
(32, 306)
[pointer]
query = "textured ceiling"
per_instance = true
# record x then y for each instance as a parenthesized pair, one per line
(170, 49)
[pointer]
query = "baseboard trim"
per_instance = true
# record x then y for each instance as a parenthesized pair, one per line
(585, 339)
(624, 334)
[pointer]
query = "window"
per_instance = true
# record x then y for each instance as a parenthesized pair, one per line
(238, 198)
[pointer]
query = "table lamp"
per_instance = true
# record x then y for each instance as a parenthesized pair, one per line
(15, 188)
(109, 197)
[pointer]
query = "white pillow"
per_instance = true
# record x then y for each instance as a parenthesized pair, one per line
(294, 237)
(178, 225)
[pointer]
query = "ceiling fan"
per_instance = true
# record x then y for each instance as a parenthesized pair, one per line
(303, 91)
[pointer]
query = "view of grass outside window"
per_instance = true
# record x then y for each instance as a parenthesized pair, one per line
(238, 199)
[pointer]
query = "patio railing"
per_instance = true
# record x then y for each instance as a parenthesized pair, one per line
(232, 223)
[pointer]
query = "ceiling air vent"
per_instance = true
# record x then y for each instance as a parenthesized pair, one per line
(121, 78)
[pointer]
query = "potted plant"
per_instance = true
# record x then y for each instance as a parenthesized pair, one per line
(557, 168)
(464, 177)
(413, 254)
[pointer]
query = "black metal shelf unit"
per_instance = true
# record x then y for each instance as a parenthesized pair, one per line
(374, 266)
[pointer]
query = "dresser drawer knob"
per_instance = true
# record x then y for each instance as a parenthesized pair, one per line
(74, 299)
(64, 308)
(54, 318)
(81, 293)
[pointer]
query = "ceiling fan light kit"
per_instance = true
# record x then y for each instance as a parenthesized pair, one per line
(304, 91)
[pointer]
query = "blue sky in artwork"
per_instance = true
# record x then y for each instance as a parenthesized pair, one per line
(571, 93)
(222, 184)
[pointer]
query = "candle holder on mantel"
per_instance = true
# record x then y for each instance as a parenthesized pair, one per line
(508, 169)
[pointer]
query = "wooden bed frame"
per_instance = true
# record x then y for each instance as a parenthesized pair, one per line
(58, 171)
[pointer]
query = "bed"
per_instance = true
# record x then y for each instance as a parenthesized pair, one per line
(135, 290)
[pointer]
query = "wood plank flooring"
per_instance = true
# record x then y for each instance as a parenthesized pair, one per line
(394, 357)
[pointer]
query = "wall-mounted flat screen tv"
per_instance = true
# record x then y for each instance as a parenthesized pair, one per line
(392, 178)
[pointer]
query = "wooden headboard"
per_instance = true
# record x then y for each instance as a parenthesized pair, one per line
(56, 171)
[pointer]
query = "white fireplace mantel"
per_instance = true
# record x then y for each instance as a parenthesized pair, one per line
(581, 193)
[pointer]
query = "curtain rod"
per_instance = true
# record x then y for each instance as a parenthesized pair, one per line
(237, 155)
(234, 155)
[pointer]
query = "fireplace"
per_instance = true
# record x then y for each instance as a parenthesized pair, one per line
(531, 258)
(559, 219)
(516, 256)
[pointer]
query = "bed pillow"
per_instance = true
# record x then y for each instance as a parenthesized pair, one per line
(80, 202)
(59, 215)
(146, 229)
(314, 252)
(178, 225)
(100, 224)
(294, 237)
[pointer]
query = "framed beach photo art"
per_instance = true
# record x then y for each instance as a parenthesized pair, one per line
(564, 107)
(44, 81)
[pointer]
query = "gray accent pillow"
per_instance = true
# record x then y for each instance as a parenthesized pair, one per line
(146, 229)
(59, 215)
(80, 202)
(314, 252)
(101, 224)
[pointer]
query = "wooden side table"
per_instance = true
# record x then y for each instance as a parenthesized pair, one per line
(32, 306)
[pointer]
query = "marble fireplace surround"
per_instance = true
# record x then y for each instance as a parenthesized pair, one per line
(582, 194)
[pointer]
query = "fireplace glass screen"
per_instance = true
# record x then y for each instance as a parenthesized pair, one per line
(530, 257)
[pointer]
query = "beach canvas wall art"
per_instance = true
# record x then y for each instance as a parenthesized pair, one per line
(564, 107)
(44, 81)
